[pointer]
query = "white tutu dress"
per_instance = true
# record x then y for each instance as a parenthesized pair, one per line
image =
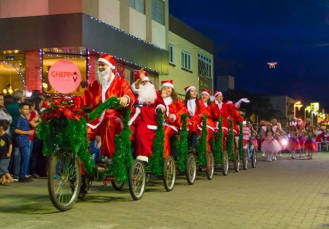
(270, 145)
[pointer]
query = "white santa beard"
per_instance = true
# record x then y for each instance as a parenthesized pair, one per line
(103, 76)
(147, 93)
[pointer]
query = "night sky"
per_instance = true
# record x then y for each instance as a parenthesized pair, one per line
(249, 33)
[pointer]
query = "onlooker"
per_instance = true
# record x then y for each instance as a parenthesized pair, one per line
(34, 122)
(6, 147)
(4, 115)
(13, 110)
(22, 131)
(8, 100)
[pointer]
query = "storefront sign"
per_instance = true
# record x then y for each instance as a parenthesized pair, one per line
(64, 76)
(315, 106)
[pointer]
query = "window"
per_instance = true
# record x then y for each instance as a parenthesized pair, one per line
(204, 66)
(158, 11)
(186, 60)
(138, 5)
(171, 54)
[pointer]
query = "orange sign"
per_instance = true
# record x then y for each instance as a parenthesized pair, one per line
(64, 76)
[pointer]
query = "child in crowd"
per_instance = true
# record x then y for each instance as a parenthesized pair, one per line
(270, 145)
(6, 147)
(293, 143)
(310, 144)
(22, 131)
(95, 148)
(301, 133)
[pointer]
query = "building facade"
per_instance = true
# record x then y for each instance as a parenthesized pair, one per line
(35, 34)
(190, 57)
(284, 104)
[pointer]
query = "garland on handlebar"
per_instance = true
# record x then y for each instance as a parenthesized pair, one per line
(230, 145)
(241, 139)
(157, 160)
(63, 126)
(202, 144)
(182, 144)
(219, 141)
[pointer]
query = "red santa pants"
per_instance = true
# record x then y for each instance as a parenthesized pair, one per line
(144, 140)
(168, 133)
(107, 130)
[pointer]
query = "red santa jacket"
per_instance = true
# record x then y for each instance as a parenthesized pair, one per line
(194, 121)
(229, 111)
(174, 108)
(147, 113)
(213, 114)
(95, 94)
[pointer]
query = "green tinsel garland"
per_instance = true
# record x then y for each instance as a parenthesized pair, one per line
(219, 142)
(122, 158)
(202, 144)
(251, 143)
(67, 135)
(183, 144)
(157, 160)
(71, 135)
(112, 102)
(230, 145)
(241, 140)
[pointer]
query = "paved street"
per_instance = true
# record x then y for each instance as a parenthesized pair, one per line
(282, 194)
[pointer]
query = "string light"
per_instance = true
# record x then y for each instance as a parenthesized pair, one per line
(21, 74)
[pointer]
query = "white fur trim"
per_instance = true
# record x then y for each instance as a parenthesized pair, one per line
(134, 89)
(167, 85)
(189, 88)
(218, 93)
(152, 127)
(172, 127)
(205, 93)
(143, 158)
(137, 112)
(160, 105)
(106, 62)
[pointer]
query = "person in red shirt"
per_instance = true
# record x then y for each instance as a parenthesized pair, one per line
(173, 121)
(196, 109)
(144, 118)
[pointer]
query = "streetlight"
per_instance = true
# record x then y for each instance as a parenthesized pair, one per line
(299, 105)
(308, 108)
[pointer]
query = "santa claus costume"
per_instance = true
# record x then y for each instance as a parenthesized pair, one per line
(173, 113)
(319, 137)
(196, 109)
(144, 118)
(108, 85)
(212, 115)
(301, 133)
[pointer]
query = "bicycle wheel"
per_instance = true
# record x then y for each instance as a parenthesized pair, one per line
(210, 166)
(64, 180)
(117, 185)
(236, 160)
(190, 168)
(245, 159)
(137, 180)
(169, 173)
(225, 163)
(254, 158)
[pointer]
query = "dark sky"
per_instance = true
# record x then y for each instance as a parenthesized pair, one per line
(249, 33)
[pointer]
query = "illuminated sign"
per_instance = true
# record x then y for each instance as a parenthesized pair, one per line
(315, 106)
(64, 76)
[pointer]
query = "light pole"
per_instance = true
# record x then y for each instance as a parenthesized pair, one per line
(308, 108)
(299, 105)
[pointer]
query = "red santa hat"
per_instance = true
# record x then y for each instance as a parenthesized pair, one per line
(229, 102)
(167, 83)
(299, 119)
(137, 74)
(217, 93)
(108, 60)
(188, 88)
(205, 92)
